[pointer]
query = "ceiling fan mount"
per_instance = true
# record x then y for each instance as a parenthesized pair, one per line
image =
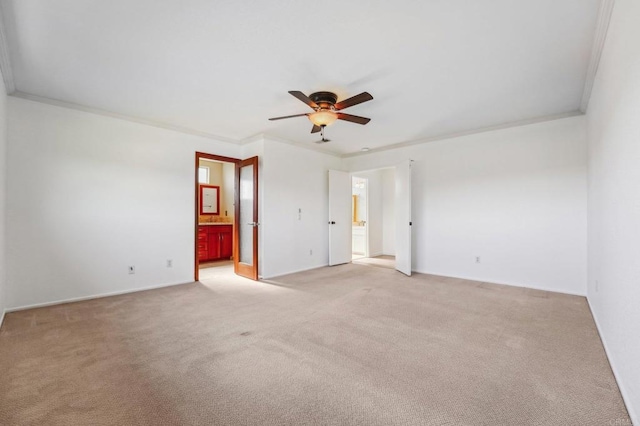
(324, 99)
(327, 109)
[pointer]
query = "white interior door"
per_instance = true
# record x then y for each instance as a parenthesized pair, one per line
(339, 217)
(403, 217)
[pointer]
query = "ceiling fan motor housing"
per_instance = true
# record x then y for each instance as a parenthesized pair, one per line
(325, 100)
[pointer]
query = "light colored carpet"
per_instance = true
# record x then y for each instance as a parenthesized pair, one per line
(348, 345)
(383, 261)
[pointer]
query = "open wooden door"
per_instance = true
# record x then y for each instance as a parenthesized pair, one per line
(403, 217)
(339, 217)
(245, 252)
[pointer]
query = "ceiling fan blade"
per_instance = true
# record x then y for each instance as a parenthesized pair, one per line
(315, 129)
(355, 100)
(304, 98)
(353, 118)
(288, 116)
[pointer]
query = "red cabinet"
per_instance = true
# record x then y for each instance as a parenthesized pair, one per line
(226, 244)
(215, 242)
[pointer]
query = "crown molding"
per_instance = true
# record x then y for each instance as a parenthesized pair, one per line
(602, 28)
(509, 125)
(98, 111)
(266, 136)
(314, 147)
(166, 126)
(5, 61)
(255, 138)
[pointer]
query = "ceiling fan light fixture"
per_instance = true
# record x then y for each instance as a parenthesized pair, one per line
(323, 117)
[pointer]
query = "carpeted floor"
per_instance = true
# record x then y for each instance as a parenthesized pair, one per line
(350, 345)
(383, 261)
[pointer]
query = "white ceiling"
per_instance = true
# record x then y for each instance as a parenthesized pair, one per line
(434, 67)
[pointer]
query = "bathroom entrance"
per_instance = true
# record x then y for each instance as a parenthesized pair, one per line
(226, 212)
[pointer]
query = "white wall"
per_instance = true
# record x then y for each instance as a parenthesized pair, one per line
(88, 196)
(3, 150)
(294, 178)
(613, 131)
(119, 193)
(388, 212)
(515, 197)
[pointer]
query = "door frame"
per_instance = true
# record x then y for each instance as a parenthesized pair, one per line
(196, 208)
(384, 167)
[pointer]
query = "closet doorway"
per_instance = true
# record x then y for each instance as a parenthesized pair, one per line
(373, 218)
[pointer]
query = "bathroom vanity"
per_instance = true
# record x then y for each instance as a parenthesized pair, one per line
(215, 241)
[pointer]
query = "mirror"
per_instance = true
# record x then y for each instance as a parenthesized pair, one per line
(209, 199)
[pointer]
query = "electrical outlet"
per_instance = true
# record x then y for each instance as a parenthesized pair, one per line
(299, 214)
(132, 269)
(597, 286)
(310, 252)
(477, 259)
(169, 263)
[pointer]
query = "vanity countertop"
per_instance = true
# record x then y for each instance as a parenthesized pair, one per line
(214, 223)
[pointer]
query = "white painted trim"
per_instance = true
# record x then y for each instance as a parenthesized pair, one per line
(623, 390)
(271, 277)
(509, 125)
(95, 296)
(602, 28)
(266, 136)
(166, 126)
(98, 111)
(2, 317)
(311, 146)
(376, 254)
(5, 61)
(532, 287)
(255, 138)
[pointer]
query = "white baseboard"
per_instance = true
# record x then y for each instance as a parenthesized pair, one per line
(4, 311)
(533, 287)
(94, 296)
(270, 277)
(623, 391)
(376, 254)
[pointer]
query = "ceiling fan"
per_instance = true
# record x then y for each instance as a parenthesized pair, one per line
(326, 109)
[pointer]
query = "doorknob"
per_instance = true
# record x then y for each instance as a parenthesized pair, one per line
(332, 223)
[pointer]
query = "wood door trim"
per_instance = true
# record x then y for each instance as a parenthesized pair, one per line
(196, 208)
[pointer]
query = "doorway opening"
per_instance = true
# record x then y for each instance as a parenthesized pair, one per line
(373, 218)
(216, 212)
(226, 215)
(359, 211)
(388, 216)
